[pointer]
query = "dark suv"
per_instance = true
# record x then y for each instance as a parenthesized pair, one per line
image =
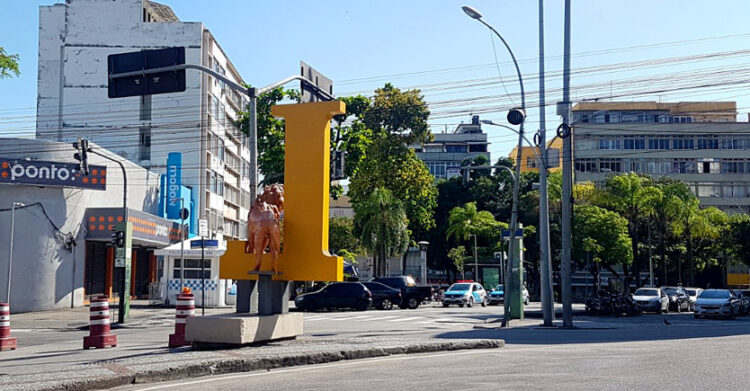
(336, 295)
(678, 298)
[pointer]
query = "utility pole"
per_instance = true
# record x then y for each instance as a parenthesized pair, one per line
(567, 178)
(476, 265)
(548, 304)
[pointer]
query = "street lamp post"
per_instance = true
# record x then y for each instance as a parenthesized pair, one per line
(476, 265)
(516, 117)
(10, 255)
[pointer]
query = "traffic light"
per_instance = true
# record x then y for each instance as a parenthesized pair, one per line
(118, 239)
(82, 148)
(338, 168)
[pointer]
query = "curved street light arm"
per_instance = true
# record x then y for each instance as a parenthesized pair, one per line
(533, 147)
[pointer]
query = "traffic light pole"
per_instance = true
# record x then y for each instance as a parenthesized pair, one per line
(121, 310)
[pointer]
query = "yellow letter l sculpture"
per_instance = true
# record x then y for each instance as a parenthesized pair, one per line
(304, 256)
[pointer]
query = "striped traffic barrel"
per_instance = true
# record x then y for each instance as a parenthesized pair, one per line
(99, 325)
(6, 341)
(185, 308)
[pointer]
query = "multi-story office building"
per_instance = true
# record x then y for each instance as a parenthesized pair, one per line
(445, 154)
(529, 156)
(75, 39)
(699, 143)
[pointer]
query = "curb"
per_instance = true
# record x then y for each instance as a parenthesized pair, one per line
(233, 365)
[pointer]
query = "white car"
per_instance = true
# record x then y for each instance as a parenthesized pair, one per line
(693, 294)
(465, 293)
(717, 302)
(651, 300)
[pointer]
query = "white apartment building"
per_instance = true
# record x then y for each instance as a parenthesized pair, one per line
(75, 39)
(699, 143)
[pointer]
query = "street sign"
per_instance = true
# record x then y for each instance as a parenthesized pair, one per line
(198, 243)
(309, 93)
(506, 233)
(142, 84)
(203, 227)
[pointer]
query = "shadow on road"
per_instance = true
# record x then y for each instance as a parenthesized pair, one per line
(598, 330)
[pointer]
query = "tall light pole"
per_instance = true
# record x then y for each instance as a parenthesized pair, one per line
(182, 243)
(545, 270)
(515, 117)
(10, 255)
(476, 265)
(567, 180)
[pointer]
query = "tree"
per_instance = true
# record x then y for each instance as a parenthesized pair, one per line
(467, 220)
(399, 113)
(622, 194)
(691, 223)
(270, 133)
(381, 222)
(603, 232)
(341, 236)
(395, 167)
(457, 255)
(8, 64)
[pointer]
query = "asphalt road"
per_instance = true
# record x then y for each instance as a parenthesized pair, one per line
(603, 353)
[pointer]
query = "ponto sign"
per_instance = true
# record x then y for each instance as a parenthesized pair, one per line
(43, 173)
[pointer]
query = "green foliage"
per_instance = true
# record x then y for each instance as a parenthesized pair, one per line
(457, 255)
(8, 64)
(341, 236)
(270, 133)
(380, 222)
(603, 232)
(467, 220)
(392, 165)
(399, 113)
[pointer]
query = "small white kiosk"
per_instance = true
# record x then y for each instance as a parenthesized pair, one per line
(217, 290)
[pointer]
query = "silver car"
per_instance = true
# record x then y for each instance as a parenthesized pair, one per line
(693, 294)
(651, 300)
(716, 302)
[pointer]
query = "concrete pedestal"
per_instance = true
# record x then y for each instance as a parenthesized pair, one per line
(241, 329)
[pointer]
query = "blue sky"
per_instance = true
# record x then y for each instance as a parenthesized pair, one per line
(434, 46)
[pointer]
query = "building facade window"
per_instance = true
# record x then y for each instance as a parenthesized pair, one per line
(658, 143)
(708, 142)
(683, 166)
(586, 165)
(609, 142)
(732, 143)
(455, 148)
(732, 166)
(610, 165)
(634, 142)
(658, 166)
(192, 268)
(683, 142)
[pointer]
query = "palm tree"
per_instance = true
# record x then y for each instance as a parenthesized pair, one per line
(382, 224)
(693, 223)
(467, 220)
(622, 195)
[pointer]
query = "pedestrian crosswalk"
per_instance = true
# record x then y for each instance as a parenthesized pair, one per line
(420, 321)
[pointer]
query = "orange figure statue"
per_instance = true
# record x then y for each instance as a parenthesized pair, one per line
(263, 225)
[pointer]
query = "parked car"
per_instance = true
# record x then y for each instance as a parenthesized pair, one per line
(336, 295)
(411, 294)
(651, 300)
(465, 293)
(744, 301)
(678, 298)
(693, 294)
(383, 296)
(497, 295)
(716, 302)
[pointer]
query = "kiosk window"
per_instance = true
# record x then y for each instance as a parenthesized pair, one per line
(192, 268)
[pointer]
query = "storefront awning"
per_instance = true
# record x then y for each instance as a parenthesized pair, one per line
(148, 230)
(175, 250)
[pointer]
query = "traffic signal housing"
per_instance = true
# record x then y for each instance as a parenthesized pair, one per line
(118, 239)
(82, 148)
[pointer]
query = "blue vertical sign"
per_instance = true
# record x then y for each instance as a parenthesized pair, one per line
(174, 181)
